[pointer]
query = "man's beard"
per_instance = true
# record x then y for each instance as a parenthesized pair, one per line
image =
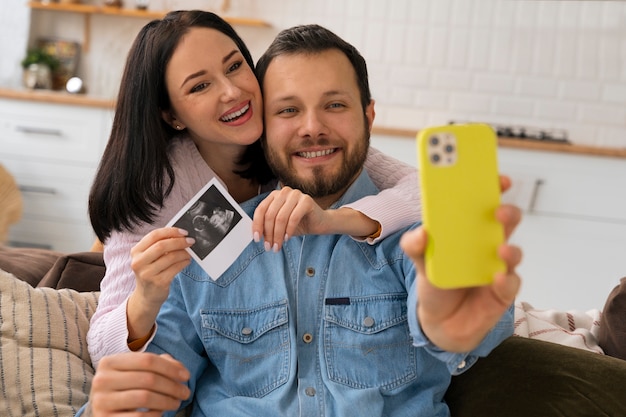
(320, 184)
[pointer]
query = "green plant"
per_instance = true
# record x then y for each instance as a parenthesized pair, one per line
(40, 56)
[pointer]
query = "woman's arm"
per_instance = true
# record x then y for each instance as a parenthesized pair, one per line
(108, 332)
(399, 202)
(288, 212)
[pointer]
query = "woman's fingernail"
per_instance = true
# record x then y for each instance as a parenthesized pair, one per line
(257, 238)
(286, 237)
(183, 232)
(275, 247)
(267, 246)
(190, 240)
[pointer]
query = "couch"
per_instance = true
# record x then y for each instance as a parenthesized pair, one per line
(47, 299)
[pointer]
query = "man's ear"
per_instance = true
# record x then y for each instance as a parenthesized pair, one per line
(171, 120)
(370, 113)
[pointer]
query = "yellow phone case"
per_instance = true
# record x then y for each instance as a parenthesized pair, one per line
(460, 192)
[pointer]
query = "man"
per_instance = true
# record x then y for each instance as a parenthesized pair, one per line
(327, 326)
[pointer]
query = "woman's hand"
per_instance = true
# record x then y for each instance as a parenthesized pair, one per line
(156, 260)
(289, 212)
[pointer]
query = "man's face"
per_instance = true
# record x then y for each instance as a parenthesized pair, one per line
(317, 135)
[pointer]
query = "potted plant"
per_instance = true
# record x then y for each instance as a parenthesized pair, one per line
(38, 68)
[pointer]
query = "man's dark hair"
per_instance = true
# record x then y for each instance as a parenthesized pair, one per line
(314, 39)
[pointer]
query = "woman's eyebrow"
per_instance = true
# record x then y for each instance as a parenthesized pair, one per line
(201, 72)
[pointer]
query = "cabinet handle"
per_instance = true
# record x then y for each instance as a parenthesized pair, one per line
(36, 189)
(533, 197)
(22, 244)
(38, 131)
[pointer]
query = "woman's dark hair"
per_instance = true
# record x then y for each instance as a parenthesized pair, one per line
(135, 173)
(309, 39)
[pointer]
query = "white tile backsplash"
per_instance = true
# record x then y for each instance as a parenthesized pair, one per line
(552, 63)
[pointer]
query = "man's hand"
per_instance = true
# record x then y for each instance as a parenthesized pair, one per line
(457, 320)
(137, 384)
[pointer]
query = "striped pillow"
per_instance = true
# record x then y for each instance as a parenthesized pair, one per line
(45, 365)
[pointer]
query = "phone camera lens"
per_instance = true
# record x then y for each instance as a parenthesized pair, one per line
(449, 148)
(434, 141)
(435, 158)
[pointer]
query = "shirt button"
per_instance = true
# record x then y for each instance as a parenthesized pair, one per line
(246, 331)
(461, 365)
(368, 322)
(310, 271)
(310, 391)
(307, 337)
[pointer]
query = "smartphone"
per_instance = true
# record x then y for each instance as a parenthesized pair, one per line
(460, 189)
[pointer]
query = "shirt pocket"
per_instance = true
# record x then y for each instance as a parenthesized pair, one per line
(250, 348)
(367, 342)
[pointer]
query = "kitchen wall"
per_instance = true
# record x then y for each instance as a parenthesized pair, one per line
(545, 64)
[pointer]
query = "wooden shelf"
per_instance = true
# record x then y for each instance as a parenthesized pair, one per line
(144, 14)
(89, 10)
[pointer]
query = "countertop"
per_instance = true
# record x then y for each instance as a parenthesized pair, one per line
(59, 97)
(109, 103)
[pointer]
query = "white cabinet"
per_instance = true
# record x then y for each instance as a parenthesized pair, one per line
(53, 151)
(573, 232)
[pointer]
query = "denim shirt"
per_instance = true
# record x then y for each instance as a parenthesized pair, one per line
(325, 327)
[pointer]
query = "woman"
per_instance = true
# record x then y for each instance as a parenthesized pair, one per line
(190, 109)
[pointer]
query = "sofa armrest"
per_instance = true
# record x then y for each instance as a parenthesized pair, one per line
(28, 264)
(529, 377)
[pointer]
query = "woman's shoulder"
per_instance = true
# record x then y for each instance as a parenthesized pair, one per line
(182, 149)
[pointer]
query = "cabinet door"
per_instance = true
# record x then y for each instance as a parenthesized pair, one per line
(573, 231)
(569, 264)
(565, 185)
(52, 132)
(53, 151)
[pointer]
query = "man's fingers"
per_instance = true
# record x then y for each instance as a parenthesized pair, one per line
(158, 364)
(505, 183)
(510, 216)
(134, 400)
(512, 255)
(506, 286)
(413, 243)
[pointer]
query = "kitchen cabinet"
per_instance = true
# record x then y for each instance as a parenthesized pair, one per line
(573, 231)
(53, 151)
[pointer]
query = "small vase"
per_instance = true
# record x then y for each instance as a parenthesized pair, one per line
(37, 76)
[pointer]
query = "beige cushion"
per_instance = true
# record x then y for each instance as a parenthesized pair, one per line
(46, 370)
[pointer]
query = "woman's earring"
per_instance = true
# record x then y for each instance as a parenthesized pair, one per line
(178, 127)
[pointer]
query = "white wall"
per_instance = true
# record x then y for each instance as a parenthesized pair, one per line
(546, 64)
(14, 18)
(555, 64)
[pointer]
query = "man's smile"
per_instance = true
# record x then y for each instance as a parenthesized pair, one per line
(316, 154)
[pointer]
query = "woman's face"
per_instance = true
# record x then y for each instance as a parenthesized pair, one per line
(213, 91)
